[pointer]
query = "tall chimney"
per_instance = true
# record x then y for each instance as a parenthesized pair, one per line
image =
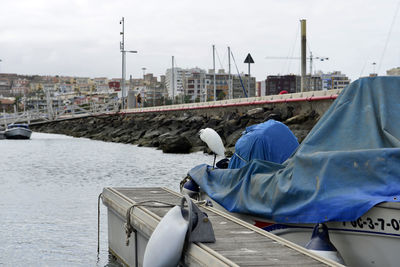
(303, 54)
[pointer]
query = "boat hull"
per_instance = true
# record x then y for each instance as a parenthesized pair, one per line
(371, 240)
(18, 133)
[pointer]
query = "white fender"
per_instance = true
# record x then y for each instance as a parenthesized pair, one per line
(166, 243)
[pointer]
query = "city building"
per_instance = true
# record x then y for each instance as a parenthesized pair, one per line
(221, 85)
(175, 80)
(196, 87)
(276, 84)
(5, 87)
(101, 84)
(240, 86)
(199, 87)
(20, 86)
(393, 72)
(333, 80)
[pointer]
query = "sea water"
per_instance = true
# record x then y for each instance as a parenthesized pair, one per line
(49, 187)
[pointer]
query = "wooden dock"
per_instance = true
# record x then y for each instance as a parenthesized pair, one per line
(237, 242)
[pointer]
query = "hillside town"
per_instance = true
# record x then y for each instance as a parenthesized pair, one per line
(178, 85)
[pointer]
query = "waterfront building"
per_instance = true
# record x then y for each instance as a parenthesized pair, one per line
(333, 80)
(175, 81)
(20, 86)
(240, 84)
(154, 91)
(101, 84)
(278, 83)
(291, 83)
(115, 84)
(195, 86)
(221, 85)
(199, 86)
(393, 72)
(261, 87)
(5, 87)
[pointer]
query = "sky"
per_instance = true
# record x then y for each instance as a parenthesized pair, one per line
(81, 37)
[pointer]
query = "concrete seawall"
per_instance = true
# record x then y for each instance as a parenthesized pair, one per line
(175, 129)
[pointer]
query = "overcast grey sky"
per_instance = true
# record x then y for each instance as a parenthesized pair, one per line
(81, 37)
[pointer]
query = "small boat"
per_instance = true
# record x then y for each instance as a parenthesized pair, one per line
(18, 131)
(344, 179)
(370, 240)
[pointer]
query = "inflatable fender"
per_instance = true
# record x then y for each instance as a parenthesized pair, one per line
(166, 243)
(321, 244)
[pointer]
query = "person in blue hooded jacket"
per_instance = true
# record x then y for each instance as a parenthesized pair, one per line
(271, 140)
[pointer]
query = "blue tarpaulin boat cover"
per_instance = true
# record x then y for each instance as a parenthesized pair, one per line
(349, 162)
(270, 140)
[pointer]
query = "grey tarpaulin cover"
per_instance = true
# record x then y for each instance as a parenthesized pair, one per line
(349, 162)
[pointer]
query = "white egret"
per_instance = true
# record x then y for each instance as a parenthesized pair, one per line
(213, 141)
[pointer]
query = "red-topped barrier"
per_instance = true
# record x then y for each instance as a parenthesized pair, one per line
(225, 105)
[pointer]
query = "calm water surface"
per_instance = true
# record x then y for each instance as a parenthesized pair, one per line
(48, 194)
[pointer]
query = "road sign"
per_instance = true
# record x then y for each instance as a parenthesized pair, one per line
(249, 59)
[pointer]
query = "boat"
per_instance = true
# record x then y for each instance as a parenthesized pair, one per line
(18, 131)
(344, 177)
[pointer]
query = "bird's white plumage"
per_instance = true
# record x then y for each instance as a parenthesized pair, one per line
(213, 141)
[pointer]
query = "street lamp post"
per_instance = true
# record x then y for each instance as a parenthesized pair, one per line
(123, 52)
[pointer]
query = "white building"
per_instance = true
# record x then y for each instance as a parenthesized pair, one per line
(177, 79)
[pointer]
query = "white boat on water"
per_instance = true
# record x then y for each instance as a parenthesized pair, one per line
(343, 180)
(18, 131)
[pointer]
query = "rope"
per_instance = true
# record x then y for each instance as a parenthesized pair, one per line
(237, 155)
(128, 227)
(240, 78)
(388, 37)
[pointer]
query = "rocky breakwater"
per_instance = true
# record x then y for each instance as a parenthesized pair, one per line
(177, 132)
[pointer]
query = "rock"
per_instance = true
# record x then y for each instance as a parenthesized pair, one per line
(254, 111)
(231, 139)
(274, 116)
(175, 144)
(151, 134)
(177, 132)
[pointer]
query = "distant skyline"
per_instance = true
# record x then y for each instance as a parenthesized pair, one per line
(81, 37)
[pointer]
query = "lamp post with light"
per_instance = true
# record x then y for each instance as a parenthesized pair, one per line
(123, 51)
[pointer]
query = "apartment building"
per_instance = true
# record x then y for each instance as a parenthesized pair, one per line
(276, 84)
(175, 80)
(393, 72)
(333, 80)
(240, 86)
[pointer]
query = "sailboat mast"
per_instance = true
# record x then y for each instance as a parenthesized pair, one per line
(173, 81)
(215, 86)
(230, 93)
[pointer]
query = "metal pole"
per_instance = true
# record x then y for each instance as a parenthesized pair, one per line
(248, 83)
(230, 91)
(215, 86)
(5, 119)
(303, 54)
(123, 63)
(173, 81)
